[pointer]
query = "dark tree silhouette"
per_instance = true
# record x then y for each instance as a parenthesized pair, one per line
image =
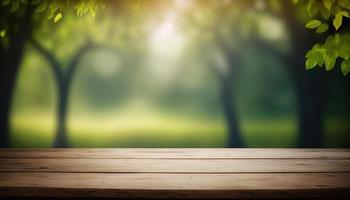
(64, 80)
(226, 78)
(19, 28)
(309, 85)
(18, 19)
(227, 95)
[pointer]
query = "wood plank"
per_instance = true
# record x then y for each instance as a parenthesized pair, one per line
(175, 166)
(177, 153)
(236, 186)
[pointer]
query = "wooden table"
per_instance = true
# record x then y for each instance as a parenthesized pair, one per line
(175, 173)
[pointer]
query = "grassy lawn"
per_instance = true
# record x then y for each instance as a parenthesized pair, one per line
(38, 131)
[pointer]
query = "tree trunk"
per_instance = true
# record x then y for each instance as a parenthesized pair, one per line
(228, 104)
(64, 81)
(311, 109)
(10, 62)
(310, 93)
(5, 105)
(61, 140)
(8, 80)
(309, 85)
(226, 79)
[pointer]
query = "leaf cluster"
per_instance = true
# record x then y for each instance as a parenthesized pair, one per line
(327, 16)
(336, 47)
(53, 8)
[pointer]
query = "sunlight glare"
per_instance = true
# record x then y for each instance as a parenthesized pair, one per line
(167, 40)
(166, 45)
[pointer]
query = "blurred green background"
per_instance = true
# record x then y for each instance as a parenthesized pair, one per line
(150, 82)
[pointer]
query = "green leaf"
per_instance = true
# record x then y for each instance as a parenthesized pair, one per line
(338, 20)
(313, 24)
(345, 67)
(315, 8)
(344, 3)
(309, 6)
(335, 9)
(322, 28)
(42, 7)
(310, 63)
(53, 5)
(336, 39)
(92, 11)
(2, 33)
(344, 50)
(50, 15)
(57, 17)
(327, 4)
(325, 13)
(344, 13)
(15, 5)
(317, 53)
(330, 62)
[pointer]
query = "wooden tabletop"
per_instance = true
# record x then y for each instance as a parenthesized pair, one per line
(175, 173)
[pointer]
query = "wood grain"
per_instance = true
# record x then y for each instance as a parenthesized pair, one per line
(175, 173)
(177, 153)
(160, 186)
(175, 166)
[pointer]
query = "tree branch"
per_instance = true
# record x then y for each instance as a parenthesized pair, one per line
(54, 64)
(76, 59)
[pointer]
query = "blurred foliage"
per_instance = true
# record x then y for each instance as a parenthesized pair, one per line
(53, 9)
(150, 82)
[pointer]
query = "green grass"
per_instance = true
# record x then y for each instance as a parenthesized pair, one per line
(270, 133)
(337, 133)
(38, 131)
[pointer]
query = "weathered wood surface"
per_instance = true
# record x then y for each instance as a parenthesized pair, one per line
(175, 173)
(174, 153)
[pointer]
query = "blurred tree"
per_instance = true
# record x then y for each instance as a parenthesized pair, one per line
(221, 44)
(59, 42)
(239, 29)
(17, 19)
(310, 85)
(63, 81)
(224, 25)
(15, 29)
